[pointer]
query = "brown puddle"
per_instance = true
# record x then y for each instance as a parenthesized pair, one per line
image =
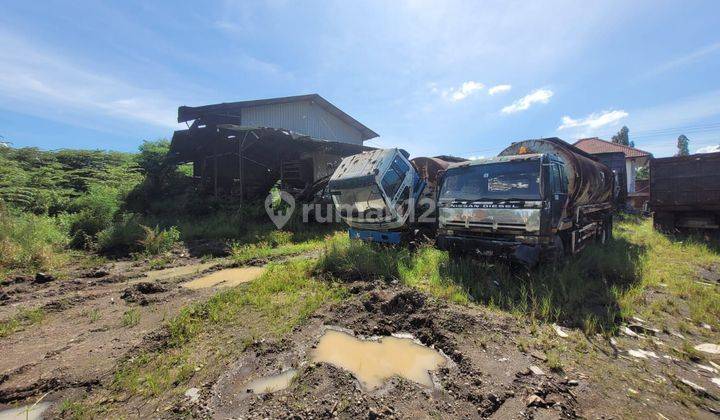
(272, 383)
(374, 361)
(182, 271)
(29, 412)
(226, 278)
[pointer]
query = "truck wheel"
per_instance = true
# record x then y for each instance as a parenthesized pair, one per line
(664, 222)
(608, 228)
(605, 233)
(559, 252)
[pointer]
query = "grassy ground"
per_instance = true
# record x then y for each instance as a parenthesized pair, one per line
(278, 244)
(594, 290)
(210, 333)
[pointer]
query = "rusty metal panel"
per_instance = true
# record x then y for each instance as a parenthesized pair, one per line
(685, 182)
(589, 181)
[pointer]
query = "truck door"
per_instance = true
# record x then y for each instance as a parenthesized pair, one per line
(558, 192)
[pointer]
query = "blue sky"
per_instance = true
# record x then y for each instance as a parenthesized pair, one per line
(434, 77)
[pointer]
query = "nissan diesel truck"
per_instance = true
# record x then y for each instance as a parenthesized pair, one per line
(538, 198)
(385, 197)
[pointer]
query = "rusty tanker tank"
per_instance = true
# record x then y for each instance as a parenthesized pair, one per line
(589, 181)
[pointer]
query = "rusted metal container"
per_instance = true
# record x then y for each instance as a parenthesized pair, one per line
(685, 183)
(589, 181)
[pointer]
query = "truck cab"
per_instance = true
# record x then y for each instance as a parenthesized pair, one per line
(374, 191)
(505, 205)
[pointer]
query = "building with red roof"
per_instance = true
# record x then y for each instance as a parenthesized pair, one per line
(634, 158)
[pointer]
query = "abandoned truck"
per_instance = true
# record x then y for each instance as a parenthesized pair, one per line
(685, 193)
(384, 197)
(537, 198)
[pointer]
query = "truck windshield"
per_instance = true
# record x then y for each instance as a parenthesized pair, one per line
(361, 202)
(493, 181)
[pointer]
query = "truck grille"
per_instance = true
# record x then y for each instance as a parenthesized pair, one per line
(489, 226)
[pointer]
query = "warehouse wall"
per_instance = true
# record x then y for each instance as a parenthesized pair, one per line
(302, 117)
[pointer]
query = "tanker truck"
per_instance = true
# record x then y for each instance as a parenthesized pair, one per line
(537, 198)
(385, 197)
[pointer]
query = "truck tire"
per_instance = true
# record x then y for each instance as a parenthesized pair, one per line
(609, 227)
(605, 234)
(664, 222)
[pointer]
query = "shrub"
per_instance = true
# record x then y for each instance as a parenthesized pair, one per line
(157, 241)
(95, 212)
(123, 236)
(29, 242)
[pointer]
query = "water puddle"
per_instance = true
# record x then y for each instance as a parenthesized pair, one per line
(226, 278)
(272, 383)
(29, 412)
(182, 271)
(374, 361)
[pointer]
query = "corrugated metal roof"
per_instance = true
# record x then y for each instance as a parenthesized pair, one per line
(187, 113)
(595, 145)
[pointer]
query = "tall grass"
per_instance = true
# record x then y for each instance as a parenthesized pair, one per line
(593, 290)
(30, 242)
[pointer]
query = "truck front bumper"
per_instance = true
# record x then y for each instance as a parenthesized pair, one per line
(376, 236)
(527, 254)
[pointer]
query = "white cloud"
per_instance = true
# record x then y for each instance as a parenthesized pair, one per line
(685, 60)
(455, 94)
(709, 149)
(37, 81)
(499, 89)
(541, 96)
(594, 120)
(475, 157)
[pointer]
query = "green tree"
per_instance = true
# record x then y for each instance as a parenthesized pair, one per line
(153, 162)
(622, 137)
(683, 145)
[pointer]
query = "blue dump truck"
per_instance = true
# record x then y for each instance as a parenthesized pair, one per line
(538, 198)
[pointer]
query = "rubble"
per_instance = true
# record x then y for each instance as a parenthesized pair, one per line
(708, 348)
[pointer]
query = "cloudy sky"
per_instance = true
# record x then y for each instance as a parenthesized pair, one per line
(434, 77)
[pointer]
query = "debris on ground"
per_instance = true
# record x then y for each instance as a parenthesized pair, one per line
(193, 394)
(627, 331)
(559, 331)
(41, 278)
(642, 354)
(708, 348)
(536, 370)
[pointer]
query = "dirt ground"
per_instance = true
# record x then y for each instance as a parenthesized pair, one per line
(498, 365)
(84, 331)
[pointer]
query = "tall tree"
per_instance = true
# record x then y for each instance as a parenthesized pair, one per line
(622, 137)
(683, 145)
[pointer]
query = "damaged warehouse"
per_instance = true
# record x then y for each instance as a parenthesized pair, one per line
(242, 149)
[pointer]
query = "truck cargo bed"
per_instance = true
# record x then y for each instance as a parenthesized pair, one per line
(685, 183)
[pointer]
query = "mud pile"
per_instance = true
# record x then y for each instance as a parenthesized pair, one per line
(475, 381)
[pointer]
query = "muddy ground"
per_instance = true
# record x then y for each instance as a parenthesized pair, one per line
(498, 365)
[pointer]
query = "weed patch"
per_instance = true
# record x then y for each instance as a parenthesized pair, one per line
(131, 318)
(20, 321)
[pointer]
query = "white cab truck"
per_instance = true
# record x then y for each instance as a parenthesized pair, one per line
(385, 197)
